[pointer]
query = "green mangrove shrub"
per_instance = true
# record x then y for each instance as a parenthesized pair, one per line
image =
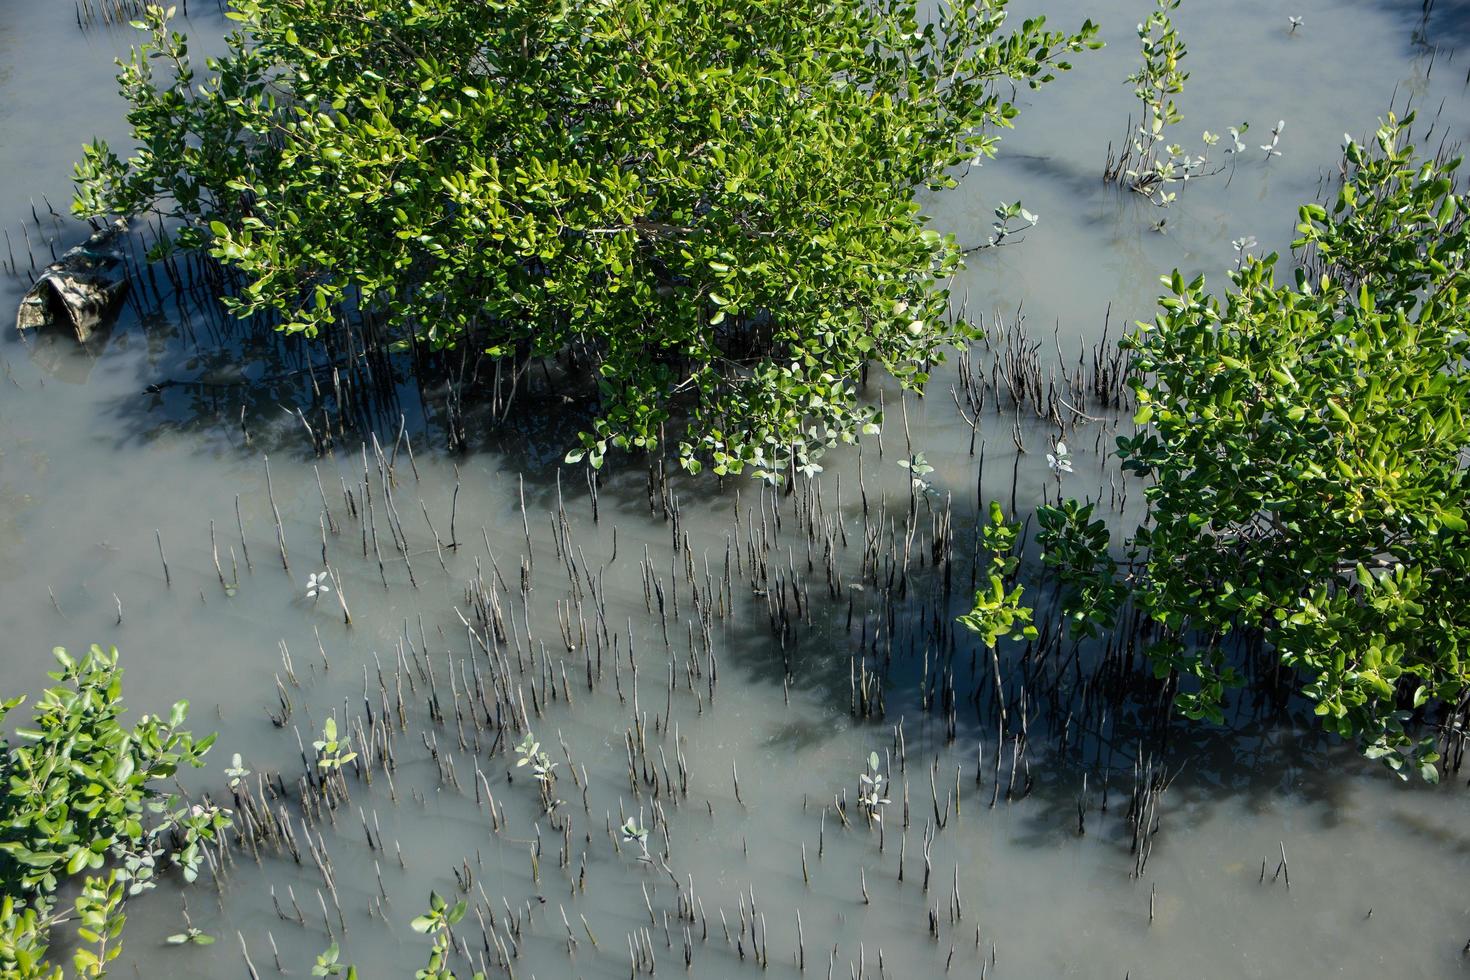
(79, 796)
(1305, 446)
(707, 205)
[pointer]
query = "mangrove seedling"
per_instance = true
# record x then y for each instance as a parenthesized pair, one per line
(634, 832)
(919, 470)
(329, 964)
(870, 790)
(437, 923)
(317, 585)
(542, 768)
(1242, 245)
(1059, 460)
(191, 936)
(333, 752)
(1270, 148)
(236, 773)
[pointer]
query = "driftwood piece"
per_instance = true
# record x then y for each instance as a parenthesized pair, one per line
(82, 289)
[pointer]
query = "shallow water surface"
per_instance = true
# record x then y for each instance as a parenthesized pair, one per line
(775, 611)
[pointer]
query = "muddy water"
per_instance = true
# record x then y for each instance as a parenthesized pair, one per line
(94, 471)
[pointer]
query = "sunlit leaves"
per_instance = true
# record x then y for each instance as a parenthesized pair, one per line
(1305, 446)
(710, 204)
(997, 612)
(80, 793)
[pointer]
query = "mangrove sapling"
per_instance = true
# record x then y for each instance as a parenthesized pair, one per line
(871, 800)
(25, 931)
(635, 833)
(543, 770)
(1149, 163)
(100, 921)
(329, 964)
(998, 612)
(81, 793)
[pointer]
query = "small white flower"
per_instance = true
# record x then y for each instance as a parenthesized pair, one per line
(1295, 22)
(1243, 243)
(317, 585)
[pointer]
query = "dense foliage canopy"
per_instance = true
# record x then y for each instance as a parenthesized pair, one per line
(1306, 449)
(711, 208)
(706, 199)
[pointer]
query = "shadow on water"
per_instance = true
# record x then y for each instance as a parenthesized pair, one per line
(158, 414)
(231, 388)
(1088, 711)
(1428, 24)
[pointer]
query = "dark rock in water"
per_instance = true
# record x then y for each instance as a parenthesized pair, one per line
(82, 289)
